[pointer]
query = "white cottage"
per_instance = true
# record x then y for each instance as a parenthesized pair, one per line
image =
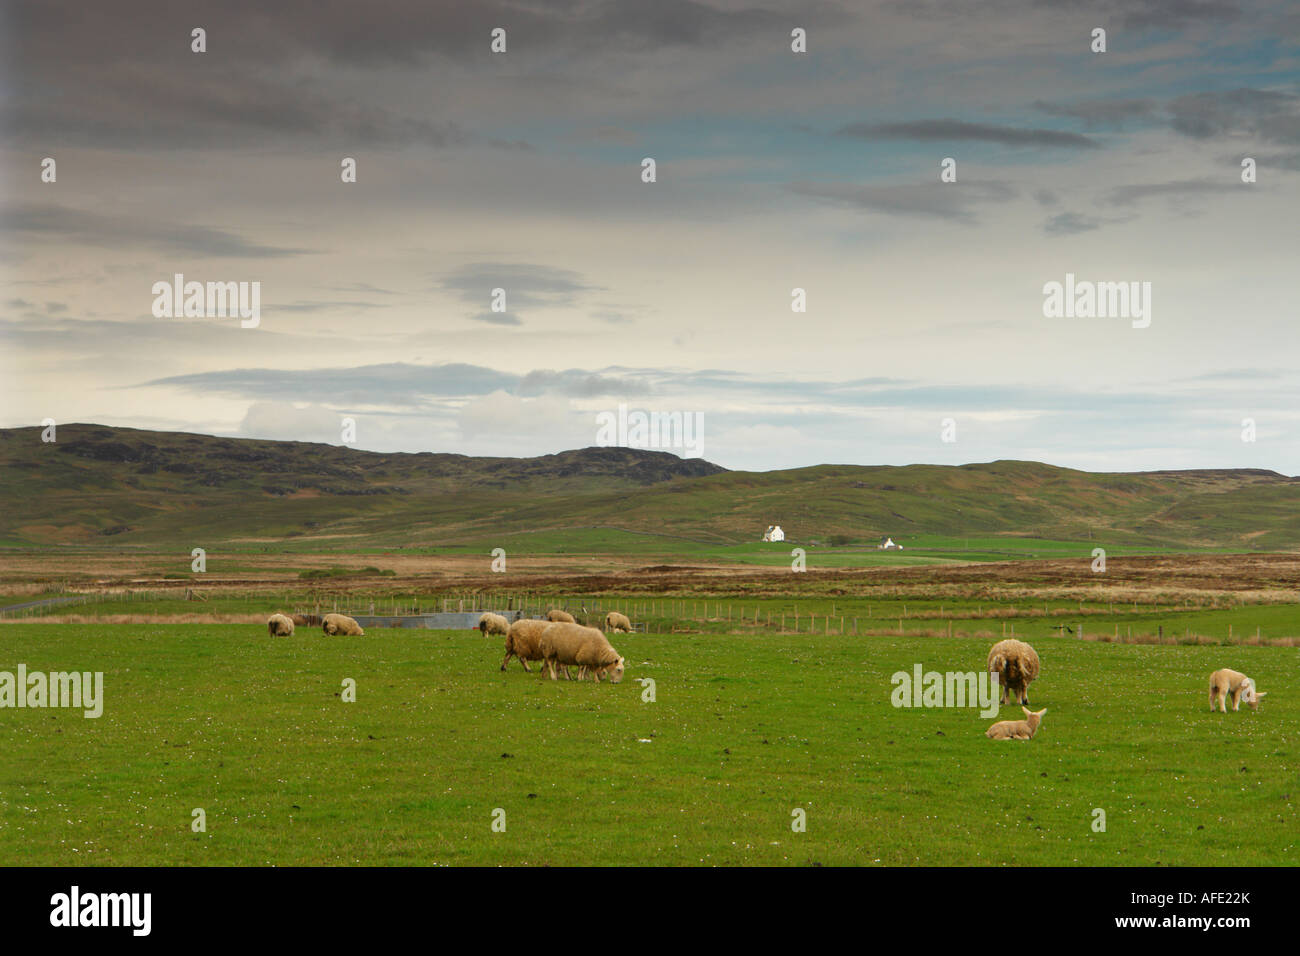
(774, 533)
(887, 544)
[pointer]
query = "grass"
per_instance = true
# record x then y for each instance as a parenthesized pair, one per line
(745, 729)
(123, 488)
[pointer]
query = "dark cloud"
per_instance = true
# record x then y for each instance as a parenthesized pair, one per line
(526, 286)
(1181, 189)
(949, 201)
(951, 130)
(64, 225)
(1070, 223)
(1171, 14)
(390, 383)
(1273, 116)
(1102, 114)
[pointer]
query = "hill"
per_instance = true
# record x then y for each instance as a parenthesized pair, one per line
(121, 486)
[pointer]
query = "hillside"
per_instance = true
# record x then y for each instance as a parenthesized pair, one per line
(125, 487)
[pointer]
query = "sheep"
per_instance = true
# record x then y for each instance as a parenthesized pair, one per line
(523, 641)
(555, 615)
(616, 622)
(279, 625)
(1017, 729)
(341, 624)
(1016, 664)
(491, 623)
(563, 643)
(1224, 682)
(306, 620)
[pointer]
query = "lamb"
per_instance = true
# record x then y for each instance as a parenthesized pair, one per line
(555, 615)
(523, 641)
(491, 623)
(1017, 729)
(617, 622)
(306, 620)
(584, 646)
(341, 624)
(1016, 664)
(1224, 682)
(279, 625)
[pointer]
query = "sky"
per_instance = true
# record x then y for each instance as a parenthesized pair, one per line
(924, 338)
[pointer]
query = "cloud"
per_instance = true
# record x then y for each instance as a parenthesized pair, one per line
(1102, 114)
(64, 225)
(526, 286)
(946, 201)
(1181, 189)
(503, 414)
(951, 130)
(1271, 115)
(394, 383)
(1070, 223)
(577, 383)
(284, 421)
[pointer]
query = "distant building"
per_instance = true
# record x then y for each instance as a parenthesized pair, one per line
(774, 533)
(887, 544)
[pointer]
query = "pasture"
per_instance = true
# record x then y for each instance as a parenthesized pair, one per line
(744, 729)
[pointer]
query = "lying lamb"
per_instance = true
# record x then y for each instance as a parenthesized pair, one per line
(1017, 729)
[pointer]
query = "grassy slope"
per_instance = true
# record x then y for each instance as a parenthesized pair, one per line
(123, 488)
(744, 730)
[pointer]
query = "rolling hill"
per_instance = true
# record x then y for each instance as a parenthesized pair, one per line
(100, 485)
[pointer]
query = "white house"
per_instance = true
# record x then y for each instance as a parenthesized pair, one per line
(887, 544)
(774, 533)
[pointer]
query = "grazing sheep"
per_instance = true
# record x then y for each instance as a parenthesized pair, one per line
(1016, 664)
(279, 625)
(341, 624)
(617, 622)
(491, 623)
(523, 641)
(1017, 729)
(555, 615)
(1224, 682)
(306, 620)
(586, 647)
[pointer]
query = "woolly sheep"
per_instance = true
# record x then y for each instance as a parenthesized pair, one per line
(306, 620)
(524, 641)
(558, 616)
(584, 646)
(279, 625)
(1016, 664)
(341, 624)
(614, 621)
(1224, 682)
(491, 623)
(1017, 729)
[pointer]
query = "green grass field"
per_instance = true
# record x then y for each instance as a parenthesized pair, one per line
(744, 730)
